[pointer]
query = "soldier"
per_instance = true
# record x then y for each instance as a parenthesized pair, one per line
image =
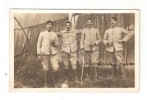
(47, 52)
(113, 39)
(69, 50)
(89, 44)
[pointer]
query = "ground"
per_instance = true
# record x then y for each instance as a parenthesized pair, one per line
(28, 74)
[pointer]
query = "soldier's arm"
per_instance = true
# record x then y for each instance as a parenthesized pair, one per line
(128, 34)
(78, 32)
(82, 40)
(59, 33)
(99, 39)
(56, 41)
(105, 41)
(39, 43)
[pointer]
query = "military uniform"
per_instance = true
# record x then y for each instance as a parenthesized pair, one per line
(91, 56)
(69, 48)
(69, 52)
(115, 51)
(48, 51)
(91, 53)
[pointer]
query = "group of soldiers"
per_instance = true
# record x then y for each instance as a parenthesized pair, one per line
(48, 44)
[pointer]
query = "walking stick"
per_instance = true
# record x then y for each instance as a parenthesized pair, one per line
(82, 69)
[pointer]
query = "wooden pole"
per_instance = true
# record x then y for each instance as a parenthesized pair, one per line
(23, 32)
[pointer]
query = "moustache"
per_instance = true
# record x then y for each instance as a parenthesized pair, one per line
(48, 27)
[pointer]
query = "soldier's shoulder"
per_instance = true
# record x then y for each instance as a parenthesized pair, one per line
(74, 31)
(108, 29)
(84, 29)
(42, 32)
(119, 27)
(96, 29)
(54, 33)
(62, 31)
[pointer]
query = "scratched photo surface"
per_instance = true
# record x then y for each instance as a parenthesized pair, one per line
(73, 50)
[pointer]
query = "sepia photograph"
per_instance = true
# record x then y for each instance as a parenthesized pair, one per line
(79, 50)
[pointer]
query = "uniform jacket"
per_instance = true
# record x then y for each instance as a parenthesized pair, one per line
(69, 41)
(114, 35)
(44, 46)
(88, 36)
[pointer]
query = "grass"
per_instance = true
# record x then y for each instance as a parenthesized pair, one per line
(28, 74)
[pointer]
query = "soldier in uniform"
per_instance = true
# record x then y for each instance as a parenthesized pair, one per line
(69, 50)
(89, 44)
(47, 52)
(114, 39)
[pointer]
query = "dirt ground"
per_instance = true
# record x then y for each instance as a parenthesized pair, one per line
(28, 74)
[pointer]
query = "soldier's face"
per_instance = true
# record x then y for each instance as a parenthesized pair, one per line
(49, 26)
(67, 26)
(89, 23)
(113, 22)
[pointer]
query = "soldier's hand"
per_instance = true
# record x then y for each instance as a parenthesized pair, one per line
(92, 44)
(82, 51)
(110, 43)
(121, 41)
(39, 57)
(53, 42)
(131, 27)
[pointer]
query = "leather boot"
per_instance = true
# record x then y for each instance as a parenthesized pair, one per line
(45, 79)
(95, 73)
(113, 70)
(55, 78)
(75, 75)
(92, 72)
(66, 75)
(87, 73)
(122, 70)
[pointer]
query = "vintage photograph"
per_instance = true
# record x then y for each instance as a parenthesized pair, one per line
(91, 49)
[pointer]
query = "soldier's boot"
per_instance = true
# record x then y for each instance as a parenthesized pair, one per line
(55, 78)
(66, 75)
(75, 76)
(87, 73)
(45, 79)
(92, 73)
(122, 70)
(95, 73)
(114, 70)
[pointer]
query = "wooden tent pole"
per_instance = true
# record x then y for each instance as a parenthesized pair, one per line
(23, 31)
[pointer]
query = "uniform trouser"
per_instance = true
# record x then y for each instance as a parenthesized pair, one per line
(91, 63)
(91, 58)
(115, 58)
(46, 60)
(69, 58)
(49, 63)
(72, 57)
